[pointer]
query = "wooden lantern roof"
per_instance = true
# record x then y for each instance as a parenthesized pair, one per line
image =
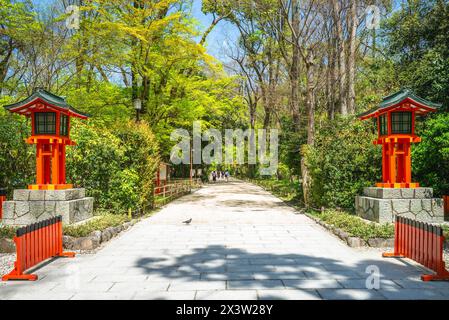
(43, 100)
(402, 98)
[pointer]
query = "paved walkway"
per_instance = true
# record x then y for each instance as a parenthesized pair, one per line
(243, 243)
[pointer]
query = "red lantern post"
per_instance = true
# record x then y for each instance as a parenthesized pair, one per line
(50, 132)
(395, 118)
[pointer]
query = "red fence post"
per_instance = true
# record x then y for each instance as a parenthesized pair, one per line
(35, 243)
(59, 241)
(20, 265)
(421, 242)
(398, 240)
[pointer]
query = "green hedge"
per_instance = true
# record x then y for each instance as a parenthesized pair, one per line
(116, 165)
(430, 157)
(342, 162)
(17, 159)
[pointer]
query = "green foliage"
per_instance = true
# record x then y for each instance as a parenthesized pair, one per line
(103, 101)
(289, 146)
(116, 165)
(7, 232)
(141, 158)
(430, 158)
(342, 162)
(16, 157)
(355, 226)
(416, 38)
(98, 223)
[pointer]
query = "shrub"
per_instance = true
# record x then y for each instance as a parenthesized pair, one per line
(141, 158)
(7, 232)
(116, 166)
(342, 162)
(430, 158)
(16, 157)
(94, 161)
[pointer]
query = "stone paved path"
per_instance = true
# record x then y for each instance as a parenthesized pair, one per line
(243, 243)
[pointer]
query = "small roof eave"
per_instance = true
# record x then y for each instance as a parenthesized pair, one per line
(49, 99)
(398, 99)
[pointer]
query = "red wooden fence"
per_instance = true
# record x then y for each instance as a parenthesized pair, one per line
(34, 244)
(421, 242)
(2, 199)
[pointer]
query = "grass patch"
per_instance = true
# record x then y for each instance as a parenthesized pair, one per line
(100, 223)
(355, 226)
(7, 232)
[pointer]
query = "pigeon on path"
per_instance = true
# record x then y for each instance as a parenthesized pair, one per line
(187, 221)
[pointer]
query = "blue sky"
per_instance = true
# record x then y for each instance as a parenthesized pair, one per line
(222, 33)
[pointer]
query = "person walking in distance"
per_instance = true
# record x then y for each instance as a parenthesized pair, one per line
(227, 175)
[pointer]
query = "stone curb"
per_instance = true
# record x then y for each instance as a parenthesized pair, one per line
(96, 238)
(354, 242)
(91, 242)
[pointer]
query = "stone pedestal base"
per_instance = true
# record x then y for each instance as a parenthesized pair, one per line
(29, 206)
(384, 204)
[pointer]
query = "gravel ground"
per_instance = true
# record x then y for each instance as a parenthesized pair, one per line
(6, 263)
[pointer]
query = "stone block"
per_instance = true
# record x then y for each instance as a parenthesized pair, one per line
(65, 195)
(423, 193)
(400, 206)
(381, 243)
(355, 242)
(86, 243)
(398, 193)
(37, 195)
(409, 203)
(438, 208)
(416, 206)
(407, 193)
(37, 209)
(370, 192)
(390, 193)
(21, 195)
(22, 208)
(80, 209)
(71, 204)
(9, 209)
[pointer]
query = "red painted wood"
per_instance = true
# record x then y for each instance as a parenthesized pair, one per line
(35, 244)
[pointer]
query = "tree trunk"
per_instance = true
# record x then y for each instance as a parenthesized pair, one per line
(294, 68)
(4, 65)
(351, 58)
(310, 103)
(341, 57)
(330, 80)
